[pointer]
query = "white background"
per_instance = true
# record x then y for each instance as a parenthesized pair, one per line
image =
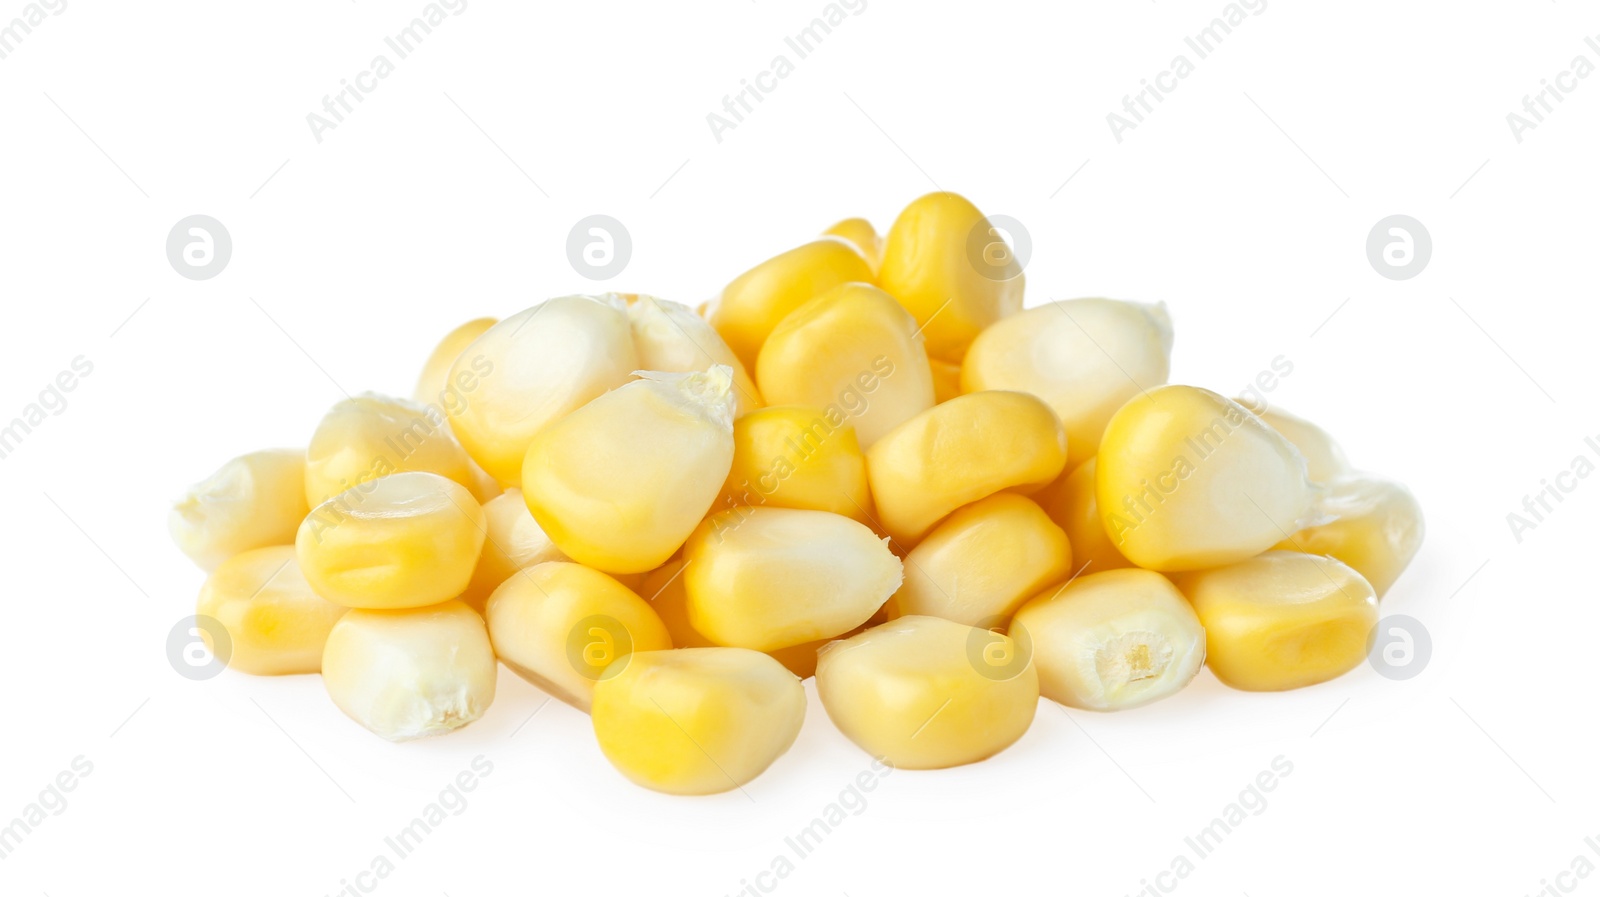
(1244, 202)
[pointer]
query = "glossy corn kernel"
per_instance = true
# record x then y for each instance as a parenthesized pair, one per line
(1376, 528)
(1282, 619)
(958, 452)
(952, 270)
(561, 625)
(276, 625)
(407, 540)
(926, 693)
(669, 336)
(1084, 357)
(863, 236)
(753, 304)
(982, 562)
(433, 384)
(946, 379)
(1070, 502)
(620, 483)
(512, 541)
(1112, 640)
(768, 578)
(407, 674)
(253, 501)
(1187, 479)
(697, 720)
(532, 369)
(1324, 458)
(372, 436)
(854, 350)
(664, 589)
(792, 456)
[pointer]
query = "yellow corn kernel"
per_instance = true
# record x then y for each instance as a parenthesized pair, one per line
(1324, 458)
(532, 369)
(926, 693)
(1112, 640)
(512, 541)
(852, 350)
(406, 540)
(863, 236)
(1084, 357)
(561, 625)
(982, 562)
(791, 456)
(958, 452)
(1187, 479)
(276, 625)
(768, 578)
(1376, 528)
(407, 674)
(253, 501)
(433, 385)
(620, 483)
(1070, 502)
(946, 379)
(1282, 619)
(372, 436)
(950, 268)
(669, 336)
(663, 588)
(758, 299)
(697, 720)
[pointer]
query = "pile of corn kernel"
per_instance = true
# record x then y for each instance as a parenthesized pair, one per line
(864, 461)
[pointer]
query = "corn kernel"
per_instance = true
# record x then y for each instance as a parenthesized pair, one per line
(533, 368)
(1324, 458)
(863, 236)
(946, 379)
(561, 625)
(958, 452)
(406, 540)
(433, 384)
(372, 436)
(921, 693)
(1282, 619)
(949, 267)
(512, 541)
(1112, 640)
(791, 456)
(407, 674)
(851, 346)
(275, 623)
(982, 562)
(1376, 528)
(768, 578)
(670, 337)
(253, 501)
(1070, 502)
(1085, 357)
(620, 483)
(753, 304)
(1187, 479)
(697, 720)
(664, 589)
